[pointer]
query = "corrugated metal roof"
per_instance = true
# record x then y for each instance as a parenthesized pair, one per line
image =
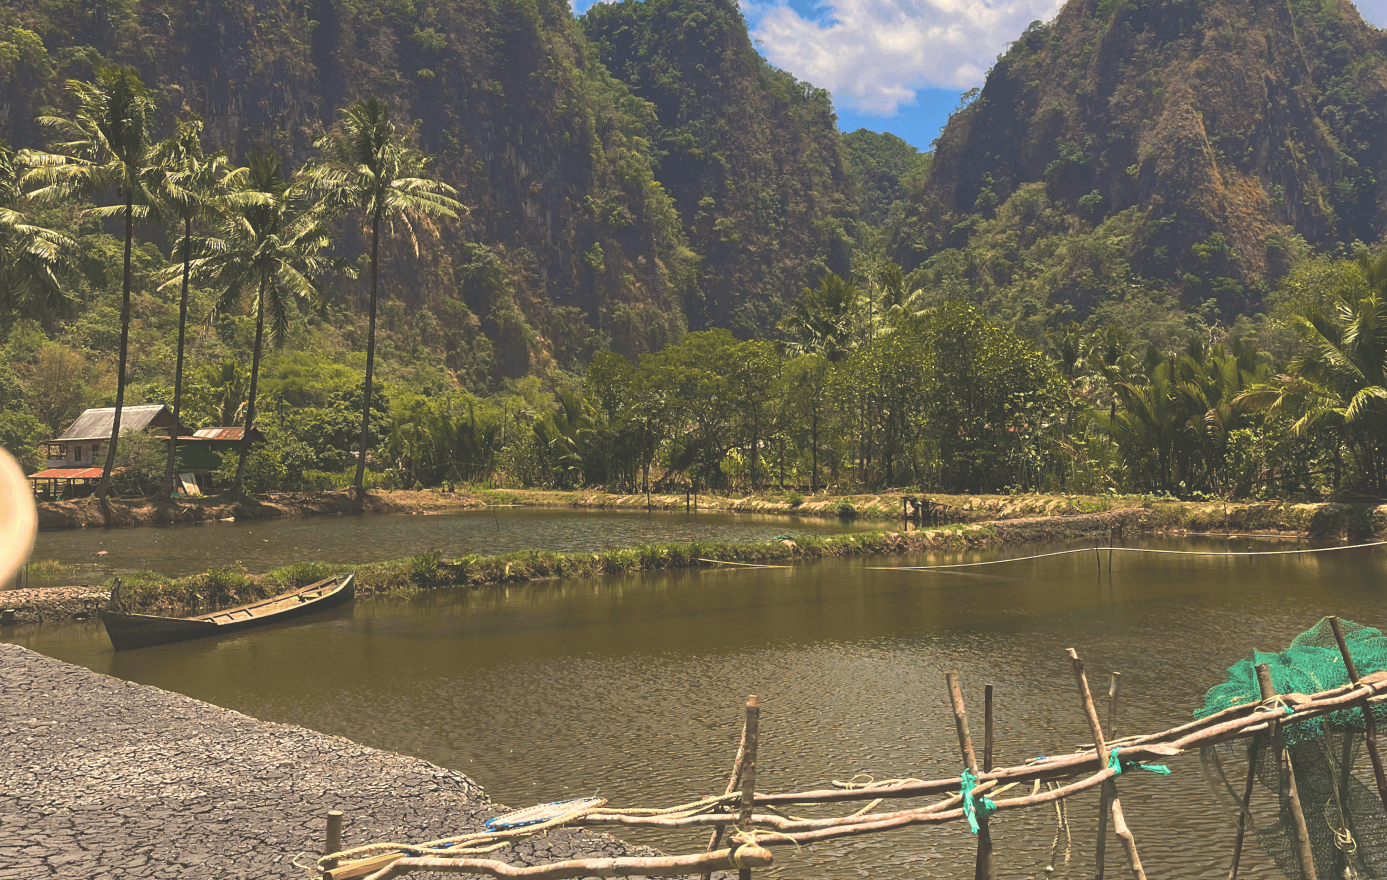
(219, 433)
(67, 474)
(95, 424)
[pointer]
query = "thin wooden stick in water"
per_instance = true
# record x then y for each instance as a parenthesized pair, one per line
(1242, 814)
(753, 733)
(731, 787)
(1369, 723)
(1109, 789)
(983, 869)
(1096, 726)
(987, 729)
(1300, 833)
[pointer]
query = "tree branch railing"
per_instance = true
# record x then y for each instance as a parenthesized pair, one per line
(757, 825)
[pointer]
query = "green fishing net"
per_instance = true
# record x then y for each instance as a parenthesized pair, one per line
(1344, 818)
(1310, 665)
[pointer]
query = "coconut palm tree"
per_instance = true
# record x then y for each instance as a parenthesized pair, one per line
(105, 146)
(1337, 384)
(821, 319)
(367, 166)
(268, 244)
(188, 188)
(33, 260)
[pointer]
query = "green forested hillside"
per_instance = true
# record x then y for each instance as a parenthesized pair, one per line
(1144, 258)
(1156, 158)
(751, 156)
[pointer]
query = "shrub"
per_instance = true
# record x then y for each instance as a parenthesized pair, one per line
(300, 574)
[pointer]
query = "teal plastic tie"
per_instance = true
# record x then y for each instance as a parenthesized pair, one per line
(974, 808)
(1290, 710)
(1116, 765)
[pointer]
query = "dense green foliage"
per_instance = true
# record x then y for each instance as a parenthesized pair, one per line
(887, 169)
(750, 155)
(1013, 312)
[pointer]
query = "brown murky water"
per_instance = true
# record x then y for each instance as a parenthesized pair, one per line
(632, 688)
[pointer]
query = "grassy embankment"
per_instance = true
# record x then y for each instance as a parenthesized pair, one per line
(150, 592)
(1317, 519)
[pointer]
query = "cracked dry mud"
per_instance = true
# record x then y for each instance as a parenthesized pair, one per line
(104, 779)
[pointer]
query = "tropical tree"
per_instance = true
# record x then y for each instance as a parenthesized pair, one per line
(187, 190)
(821, 319)
(369, 167)
(269, 245)
(105, 146)
(1337, 384)
(33, 260)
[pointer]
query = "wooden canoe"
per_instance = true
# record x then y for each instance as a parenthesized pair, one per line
(142, 630)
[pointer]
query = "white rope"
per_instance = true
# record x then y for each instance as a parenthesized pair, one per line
(1123, 550)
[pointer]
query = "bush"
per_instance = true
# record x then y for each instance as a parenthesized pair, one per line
(794, 499)
(300, 574)
(140, 462)
(264, 469)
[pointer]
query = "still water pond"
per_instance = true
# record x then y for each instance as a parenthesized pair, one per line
(261, 545)
(632, 688)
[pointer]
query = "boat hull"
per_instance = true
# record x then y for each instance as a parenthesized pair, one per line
(128, 631)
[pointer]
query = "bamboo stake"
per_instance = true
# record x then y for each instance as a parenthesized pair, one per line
(731, 787)
(1110, 788)
(1369, 723)
(987, 729)
(753, 732)
(983, 868)
(747, 856)
(1252, 756)
(1299, 832)
(334, 832)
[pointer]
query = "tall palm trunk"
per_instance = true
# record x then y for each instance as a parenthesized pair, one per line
(370, 358)
(254, 382)
(178, 363)
(105, 488)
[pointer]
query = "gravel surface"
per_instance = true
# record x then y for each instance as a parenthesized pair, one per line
(103, 779)
(54, 603)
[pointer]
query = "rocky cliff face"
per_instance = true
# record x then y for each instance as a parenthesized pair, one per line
(1226, 127)
(751, 156)
(568, 236)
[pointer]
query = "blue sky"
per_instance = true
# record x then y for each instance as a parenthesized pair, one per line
(900, 65)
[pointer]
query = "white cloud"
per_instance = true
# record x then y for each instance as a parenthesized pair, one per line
(872, 55)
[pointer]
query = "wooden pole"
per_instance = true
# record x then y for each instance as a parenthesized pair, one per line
(1109, 792)
(334, 834)
(1242, 814)
(1369, 723)
(987, 729)
(1114, 684)
(1300, 833)
(732, 785)
(1109, 787)
(983, 868)
(753, 732)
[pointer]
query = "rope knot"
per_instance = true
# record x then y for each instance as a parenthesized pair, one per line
(1117, 765)
(975, 808)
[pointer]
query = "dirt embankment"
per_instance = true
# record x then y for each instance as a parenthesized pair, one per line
(119, 512)
(1313, 520)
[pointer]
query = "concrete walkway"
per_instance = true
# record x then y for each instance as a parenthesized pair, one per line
(103, 779)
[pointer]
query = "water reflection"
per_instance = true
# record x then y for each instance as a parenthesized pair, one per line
(632, 687)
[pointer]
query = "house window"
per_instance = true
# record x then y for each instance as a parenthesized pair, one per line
(57, 450)
(77, 453)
